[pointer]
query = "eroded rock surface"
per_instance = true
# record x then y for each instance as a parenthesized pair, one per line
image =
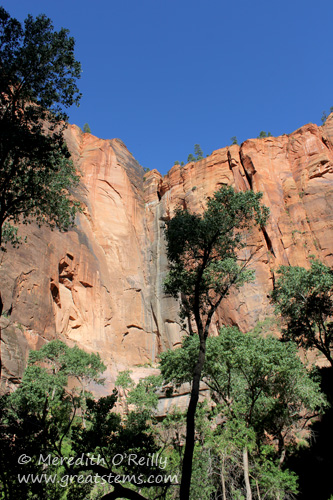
(100, 284)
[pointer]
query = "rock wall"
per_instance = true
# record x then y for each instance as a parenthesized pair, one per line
(100, 284)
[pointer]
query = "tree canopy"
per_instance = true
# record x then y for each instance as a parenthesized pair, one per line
(38, 74)
(202, 250)
(262, 396)
(204, 261)
(37, 417)
(304, 297)
(88, 443)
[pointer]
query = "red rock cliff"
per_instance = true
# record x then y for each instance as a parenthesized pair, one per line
(100, 285)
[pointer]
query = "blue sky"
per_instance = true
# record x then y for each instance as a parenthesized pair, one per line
(163, 75)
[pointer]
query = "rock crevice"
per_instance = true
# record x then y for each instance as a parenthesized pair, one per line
(100, 285)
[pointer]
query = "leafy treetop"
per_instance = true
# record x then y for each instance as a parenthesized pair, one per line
(86, 129)
(37, 83)
(263, 134)
(304, 297)
(265, 397)
(325, 116)
(203, 250)
(257, 379)
(204, 261)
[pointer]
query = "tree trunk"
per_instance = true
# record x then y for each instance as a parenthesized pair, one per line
(329, 357)
(282, 450)
(1, 307)
(246, 474)
(223, 480)
(258, 490)
(185, 484)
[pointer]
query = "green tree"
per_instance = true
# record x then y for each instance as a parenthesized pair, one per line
(260, 388)
(324, 115)
(304, 298)
(234, 140)
(38, 76)
(203, 253)
(86, 129)
(263, 134)
(37, 418)
(50, 415)
(190, 158)
(198, 152)
(132, 434)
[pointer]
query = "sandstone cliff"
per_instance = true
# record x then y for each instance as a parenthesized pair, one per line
(100, 285)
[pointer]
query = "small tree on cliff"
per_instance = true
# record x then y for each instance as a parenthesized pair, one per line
(38, 73)
(198, 152)
(86, 129)
(203, 252)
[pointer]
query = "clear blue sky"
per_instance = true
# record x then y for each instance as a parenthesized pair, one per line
(163, 75)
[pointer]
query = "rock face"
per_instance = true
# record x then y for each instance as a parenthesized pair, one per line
(100, 284)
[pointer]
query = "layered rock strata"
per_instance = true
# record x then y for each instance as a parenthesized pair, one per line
(100, 284)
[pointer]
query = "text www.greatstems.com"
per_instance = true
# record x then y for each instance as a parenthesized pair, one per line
(65, 480)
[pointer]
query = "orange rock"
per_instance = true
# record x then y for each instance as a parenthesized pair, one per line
(100, 285)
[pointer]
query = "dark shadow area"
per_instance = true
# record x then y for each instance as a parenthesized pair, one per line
(314, 465)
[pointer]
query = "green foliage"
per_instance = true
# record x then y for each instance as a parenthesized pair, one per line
(203, 248)
(37, 418)
(146, 169)
(263, 395)
(69, 361)
(144, 396)
(257, 380)
(263, 134)
(48, 372)
(198, 152)
(124, 380)
(203, 252)
(260, 381)
(86, 129)
(114, 437)
(260, 391)
(272, 480)
(324, 115)
(176, 163)
(234, 140)
(304, 299)
(9, 235)
(45, 417)
(38, 81)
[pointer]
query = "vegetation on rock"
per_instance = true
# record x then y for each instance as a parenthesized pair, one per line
(86, 129)
(263, 134)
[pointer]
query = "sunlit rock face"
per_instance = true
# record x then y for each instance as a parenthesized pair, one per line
(100, 285)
